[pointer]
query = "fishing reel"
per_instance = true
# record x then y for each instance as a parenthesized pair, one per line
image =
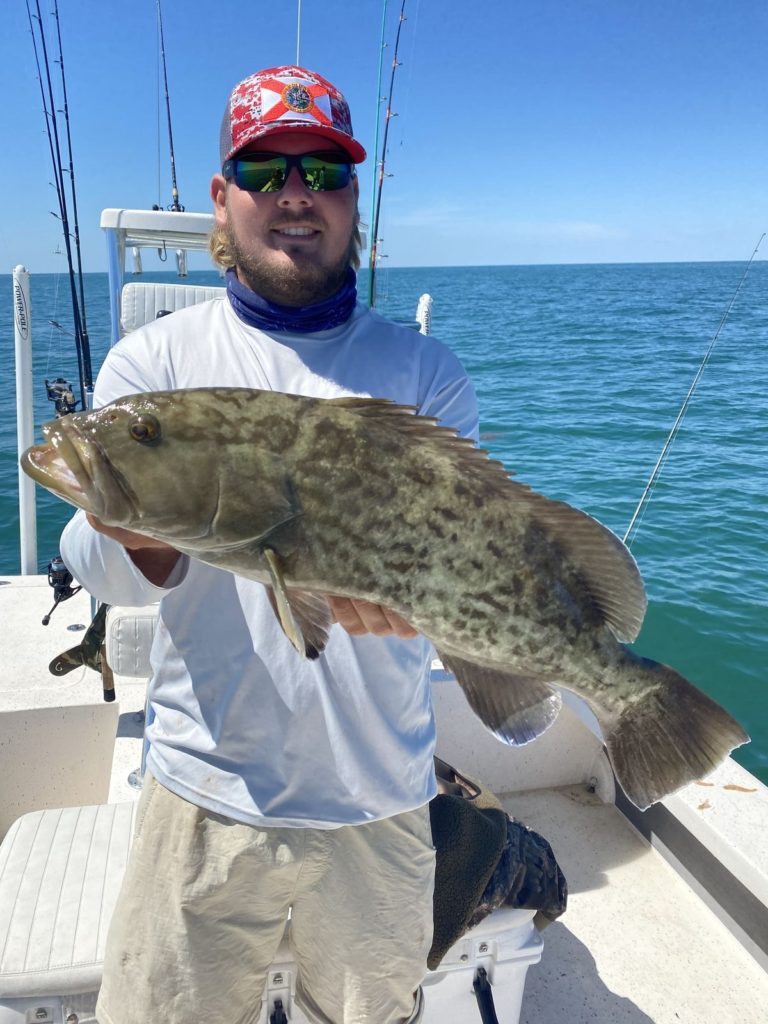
(60, 578)
(59, 391)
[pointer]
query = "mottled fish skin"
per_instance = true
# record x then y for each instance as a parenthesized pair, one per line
(359, 497)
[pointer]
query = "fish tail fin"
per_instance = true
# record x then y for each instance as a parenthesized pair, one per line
(673, 735)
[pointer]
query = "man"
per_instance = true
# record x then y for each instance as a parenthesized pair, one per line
(273, 783)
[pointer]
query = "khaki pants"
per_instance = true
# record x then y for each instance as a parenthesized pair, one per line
(204, 905)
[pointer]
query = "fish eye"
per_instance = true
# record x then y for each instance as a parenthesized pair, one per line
(146, 429)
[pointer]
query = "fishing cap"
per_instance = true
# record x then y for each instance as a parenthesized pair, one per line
(286, 99)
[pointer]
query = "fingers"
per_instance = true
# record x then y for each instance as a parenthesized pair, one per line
(361, 617)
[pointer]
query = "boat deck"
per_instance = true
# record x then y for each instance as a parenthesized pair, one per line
(637, 943)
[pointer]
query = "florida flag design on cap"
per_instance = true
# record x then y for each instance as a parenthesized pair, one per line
(286, 99)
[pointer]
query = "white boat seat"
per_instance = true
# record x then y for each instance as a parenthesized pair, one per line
(141, 302)
(60, 875)
(128, 637)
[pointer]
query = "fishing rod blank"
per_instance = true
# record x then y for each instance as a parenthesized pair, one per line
(175, 205)
(298, 32)
(55, 149)
(388, 116)
(76, 224)
(376, 171)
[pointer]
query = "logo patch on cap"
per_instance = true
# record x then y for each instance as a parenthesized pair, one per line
(281, 100)
(296, 97)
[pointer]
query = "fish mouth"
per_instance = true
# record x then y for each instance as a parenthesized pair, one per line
(75, 467)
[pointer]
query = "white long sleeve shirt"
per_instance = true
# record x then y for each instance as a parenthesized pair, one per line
(242, 725)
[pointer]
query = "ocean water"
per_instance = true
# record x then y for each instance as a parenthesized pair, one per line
(580, 372)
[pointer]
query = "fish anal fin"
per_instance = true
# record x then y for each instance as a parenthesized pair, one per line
(305, 618)
(515, 707)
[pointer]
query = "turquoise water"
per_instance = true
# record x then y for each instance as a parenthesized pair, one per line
(580, 372)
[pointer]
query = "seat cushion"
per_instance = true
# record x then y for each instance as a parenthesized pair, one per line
(60, 875)
(129, 636)
(141, 302)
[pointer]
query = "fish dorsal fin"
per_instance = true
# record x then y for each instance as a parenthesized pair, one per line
(604, 563)
(404, 419)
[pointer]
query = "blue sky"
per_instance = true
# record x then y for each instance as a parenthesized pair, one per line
(528, 131)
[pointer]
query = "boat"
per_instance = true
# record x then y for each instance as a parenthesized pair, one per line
(667, 917)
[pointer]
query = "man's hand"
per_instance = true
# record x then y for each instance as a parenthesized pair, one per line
(151, 557)
(156, 559)
(361, 617)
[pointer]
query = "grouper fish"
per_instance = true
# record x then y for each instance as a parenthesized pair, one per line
(361, 498)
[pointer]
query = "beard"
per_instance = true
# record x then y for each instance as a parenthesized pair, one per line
(296, 281)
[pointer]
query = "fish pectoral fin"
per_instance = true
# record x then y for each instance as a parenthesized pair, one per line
(515, 707)
(305, 618)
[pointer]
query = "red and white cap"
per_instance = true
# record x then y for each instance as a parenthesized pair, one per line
(286, 99)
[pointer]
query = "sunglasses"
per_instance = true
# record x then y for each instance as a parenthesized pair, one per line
(268, 172)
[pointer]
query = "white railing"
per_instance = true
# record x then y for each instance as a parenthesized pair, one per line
(25, 420)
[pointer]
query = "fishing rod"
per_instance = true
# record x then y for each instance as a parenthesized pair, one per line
(298, 32)
(377, 123)
(686, 402)
(82, 347)
(377, 203)
(175, 205)
(76, 225)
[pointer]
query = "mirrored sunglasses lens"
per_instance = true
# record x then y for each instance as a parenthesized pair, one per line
(322, 175)
(261, 175)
